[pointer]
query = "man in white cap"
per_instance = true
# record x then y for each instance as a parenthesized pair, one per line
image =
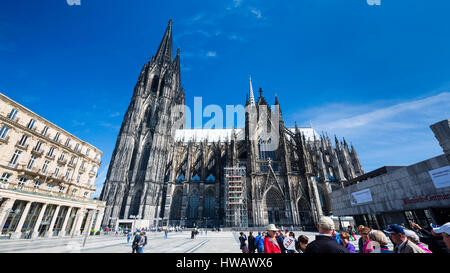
(444, 231)
(270, 242)
(324, 242)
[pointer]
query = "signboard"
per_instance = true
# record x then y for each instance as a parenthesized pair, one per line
(288, 241)
(360, 197)
(440, 177)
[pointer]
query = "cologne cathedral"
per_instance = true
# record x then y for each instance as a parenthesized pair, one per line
(179, 179)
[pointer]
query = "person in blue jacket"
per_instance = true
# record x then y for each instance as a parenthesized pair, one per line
(259, 243)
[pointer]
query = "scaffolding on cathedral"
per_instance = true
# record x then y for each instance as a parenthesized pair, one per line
(236, 214)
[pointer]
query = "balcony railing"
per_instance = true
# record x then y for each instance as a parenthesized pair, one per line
(33, 189)
(51, 157)
(13, 165)
(62, 161)
(32, 170)
(21, 146)
(58, 177)
(82, 170)
(38, 153)
(4, 140)
(92, 172)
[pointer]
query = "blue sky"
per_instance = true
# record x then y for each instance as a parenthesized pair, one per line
(376, 75)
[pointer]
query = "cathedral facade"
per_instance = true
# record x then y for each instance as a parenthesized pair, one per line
(177, 178)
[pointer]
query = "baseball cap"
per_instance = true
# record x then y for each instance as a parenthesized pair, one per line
(444, 228)
(395, 229)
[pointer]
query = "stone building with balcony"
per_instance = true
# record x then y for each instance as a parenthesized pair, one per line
(46, 177)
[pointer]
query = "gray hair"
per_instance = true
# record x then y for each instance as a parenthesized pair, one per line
(412, 236)
(378, 236)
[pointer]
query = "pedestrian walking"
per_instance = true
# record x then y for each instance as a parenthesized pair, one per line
(345, 242)
(402, 244)
(379, 241)
(251, 243)
(144, 235)
(259, 242)
(324, 242)
(270, 242)
(367, 245)
(165, 233)
(243, 240)
(280, 241)
(137, 242)
(128, 236)
(360, 241)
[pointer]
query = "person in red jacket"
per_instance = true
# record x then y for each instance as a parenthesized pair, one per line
(270, 242)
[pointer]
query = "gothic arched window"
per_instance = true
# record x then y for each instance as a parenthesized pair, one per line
(209, 204)
(193, 207)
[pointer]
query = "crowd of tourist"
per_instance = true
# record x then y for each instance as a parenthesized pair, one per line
(403, 240)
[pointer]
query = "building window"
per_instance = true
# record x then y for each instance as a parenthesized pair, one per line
(57, 170)
(37, 184)
(44, 131)
(5, 177)
(38, 146)
(3, 132)
(57, 137)
(89, 181)
(14, 159)
(63, 154)
(12, 114)
(74, 192)
(50, 152)
(67, 174)
(77, 146)
(86, 194)
(61, 189)
(87, 152)
(67, 142)
(82, 165)
(31, 162)
(31, 124)
(44, 169)
(72, 160)
(78, 178)
(22, 181)
(50, 187)
(23, 140)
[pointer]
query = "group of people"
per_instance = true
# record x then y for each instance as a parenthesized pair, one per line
(273, 241)
(329, 241)
(139, 241)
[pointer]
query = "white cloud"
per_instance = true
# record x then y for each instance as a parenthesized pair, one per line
(394, 134)
(421, 107)
(256, 12)
(211, 54)
(115, 114)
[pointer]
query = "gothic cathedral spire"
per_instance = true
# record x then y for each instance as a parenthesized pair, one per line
(251, 95)
(165, 48)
